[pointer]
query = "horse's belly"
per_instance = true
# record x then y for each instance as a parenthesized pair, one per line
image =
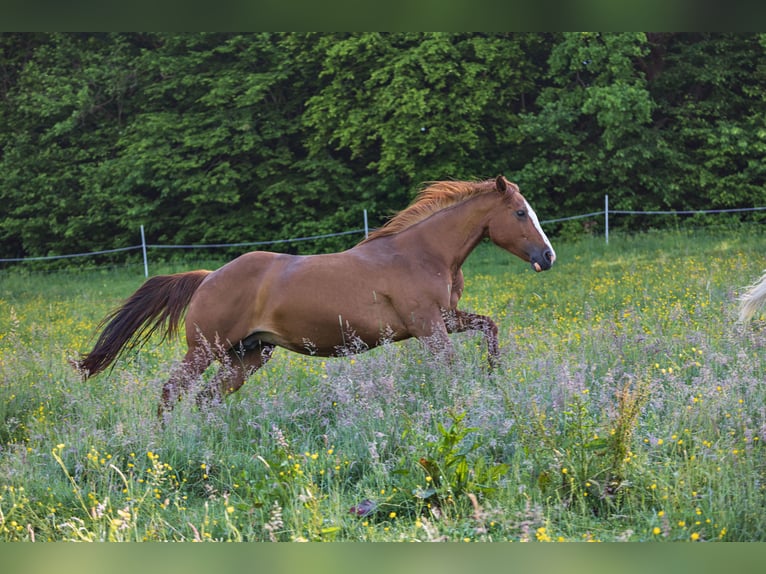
(329, 332)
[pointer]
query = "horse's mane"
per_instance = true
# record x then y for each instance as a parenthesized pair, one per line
(435, 196)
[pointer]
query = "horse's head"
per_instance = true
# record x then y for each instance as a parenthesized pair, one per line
(516, 228)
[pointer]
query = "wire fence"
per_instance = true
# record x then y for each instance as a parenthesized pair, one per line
(145, 247)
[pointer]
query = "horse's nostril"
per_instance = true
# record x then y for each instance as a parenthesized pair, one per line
(548, 255)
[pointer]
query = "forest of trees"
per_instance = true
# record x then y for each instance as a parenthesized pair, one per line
(225, 137)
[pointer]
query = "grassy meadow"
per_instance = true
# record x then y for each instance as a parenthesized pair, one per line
(628, 406)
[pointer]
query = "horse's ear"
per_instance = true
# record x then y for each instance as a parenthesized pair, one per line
(501, 184)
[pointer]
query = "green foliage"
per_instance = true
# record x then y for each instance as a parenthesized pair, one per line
(453, 468)
(419, 106)
(229, 138)
(590, 133)
(712, 148)
(589, 452)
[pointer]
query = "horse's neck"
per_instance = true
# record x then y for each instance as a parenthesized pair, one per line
(451, 234)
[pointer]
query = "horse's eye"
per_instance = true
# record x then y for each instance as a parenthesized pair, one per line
(521, 213)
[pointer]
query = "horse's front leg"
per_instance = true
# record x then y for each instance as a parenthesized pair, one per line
(439, 344)
(458, 321)
(432, 332)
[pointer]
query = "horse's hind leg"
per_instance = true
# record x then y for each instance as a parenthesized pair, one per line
(238, 364)
(190, 369)
(460, 321)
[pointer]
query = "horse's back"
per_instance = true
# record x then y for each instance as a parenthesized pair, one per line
(298, 302)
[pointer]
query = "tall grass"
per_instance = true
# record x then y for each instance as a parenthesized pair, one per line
(628, 406)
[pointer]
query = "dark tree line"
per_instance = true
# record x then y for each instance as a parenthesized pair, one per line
(207, 138)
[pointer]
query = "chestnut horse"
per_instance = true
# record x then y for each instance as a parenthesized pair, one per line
(402, 281)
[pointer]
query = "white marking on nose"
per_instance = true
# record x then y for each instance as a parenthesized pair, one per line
(536, 223)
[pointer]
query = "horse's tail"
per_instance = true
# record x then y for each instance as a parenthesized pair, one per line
(158, 304)
(752, 300)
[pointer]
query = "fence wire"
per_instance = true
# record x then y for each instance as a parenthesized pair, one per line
(604, 212)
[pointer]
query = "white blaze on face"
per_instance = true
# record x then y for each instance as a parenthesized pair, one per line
(536, 223)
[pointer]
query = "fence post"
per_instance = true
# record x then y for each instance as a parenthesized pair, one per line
(366, 228)
(606, 217)
(143, 247)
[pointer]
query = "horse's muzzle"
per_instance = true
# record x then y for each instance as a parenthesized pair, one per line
(544, 261)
